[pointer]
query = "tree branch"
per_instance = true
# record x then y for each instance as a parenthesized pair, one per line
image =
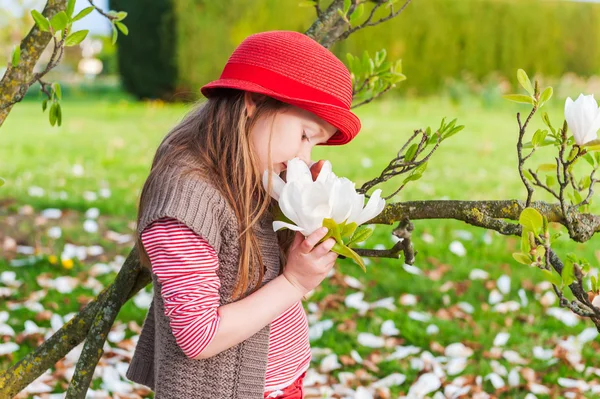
(487, 214)
(105, 317)
(26, 370)
(16, 80)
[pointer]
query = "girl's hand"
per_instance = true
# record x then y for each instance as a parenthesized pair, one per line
(308, 263)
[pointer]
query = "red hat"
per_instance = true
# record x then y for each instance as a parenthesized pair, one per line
(297, 70)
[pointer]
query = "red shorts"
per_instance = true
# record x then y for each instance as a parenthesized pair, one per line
(293, 391)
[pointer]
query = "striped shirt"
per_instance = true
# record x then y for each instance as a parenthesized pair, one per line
(186, 266)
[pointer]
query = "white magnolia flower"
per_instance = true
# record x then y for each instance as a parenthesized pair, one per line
(306, 202)
(583, 117)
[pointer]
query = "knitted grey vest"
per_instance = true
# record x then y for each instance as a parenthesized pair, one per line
(158, 362)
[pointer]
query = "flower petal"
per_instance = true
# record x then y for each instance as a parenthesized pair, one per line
(373, 208)
(297, 170)
(277, 225)
(277, 184)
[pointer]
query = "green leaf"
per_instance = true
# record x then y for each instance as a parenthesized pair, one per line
(122, 27)
(348, 230)
(546, 120)
(59, 21)
(568, 275)
(83, 13)
(525, 245)
(453, 132)
(546, 95)
(114, 34)
(334, 229)
(58, 114)
(70, 8)
(540, 252)
(550, 181)
(522, 258)
(552, 277)
(412, 177)
(52, 114)
(362, 234)
(121, 15)
(527, 175)
(585, 182)
(531, 220)
(356, 14)
(16, 57)
(538, 137)
(347, 4)
(76, 37)
(1, 182)
(519, 98)
(524, 81)
(590, 159)
(594, 284)
(592, 143)
(411, 152)
(547, 167)
(41, 21)
(44, 105)
(57, 90)
(349, 253)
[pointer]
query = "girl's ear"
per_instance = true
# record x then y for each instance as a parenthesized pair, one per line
(250, 100)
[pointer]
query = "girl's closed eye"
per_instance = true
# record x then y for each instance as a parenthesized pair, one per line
(304, 136)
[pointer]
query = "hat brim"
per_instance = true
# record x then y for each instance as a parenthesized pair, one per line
(345, 121)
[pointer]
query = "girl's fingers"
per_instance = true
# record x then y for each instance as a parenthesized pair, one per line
(309, 243)
(298, 238)
(324, 248)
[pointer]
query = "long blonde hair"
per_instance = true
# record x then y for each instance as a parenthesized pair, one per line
(214, 140)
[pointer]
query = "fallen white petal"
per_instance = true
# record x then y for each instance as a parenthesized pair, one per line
(513, 357)
(54, 232)
(457, 248)
(503, 284)
(541, 353)
(456, 366)
(501, 339)
(329, 363)
(370, 340)
(419, 316)
(458, 349)
(478, 274)
(8, 347)
(90, 226)
(402, 352)
(496, 380)
(92, 213)
(427, 383)
(432, 329)
(388, 328)
(51, 213)
(514, 378)
(143, 299)
(391, 380)
(495, 297)
(566, 316)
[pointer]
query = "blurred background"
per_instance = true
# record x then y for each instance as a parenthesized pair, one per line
(68, 207)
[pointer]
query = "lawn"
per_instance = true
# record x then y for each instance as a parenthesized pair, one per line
(101, 155)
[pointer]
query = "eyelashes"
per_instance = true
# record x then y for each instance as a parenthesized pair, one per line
(304, 136)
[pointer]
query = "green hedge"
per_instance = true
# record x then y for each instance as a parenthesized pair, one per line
(436, 39)
(147, 62)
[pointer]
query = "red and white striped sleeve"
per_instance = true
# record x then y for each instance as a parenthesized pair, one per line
(186, 266)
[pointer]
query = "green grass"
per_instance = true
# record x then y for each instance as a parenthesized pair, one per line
(114, 140)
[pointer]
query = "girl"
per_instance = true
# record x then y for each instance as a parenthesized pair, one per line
(226, 320)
